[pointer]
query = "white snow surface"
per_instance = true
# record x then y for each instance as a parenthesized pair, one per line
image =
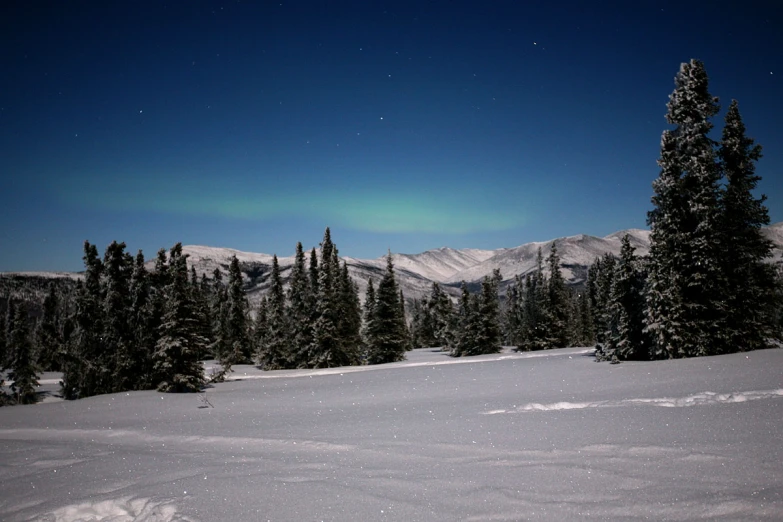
(541, 436)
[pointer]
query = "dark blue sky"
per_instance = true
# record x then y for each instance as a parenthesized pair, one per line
(402, 125)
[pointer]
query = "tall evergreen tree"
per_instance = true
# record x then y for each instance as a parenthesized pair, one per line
(556, 302)
(466, 339)
(368, 325)
(389, 330)
(23, 367)
(626, 340)
(218, 309)
(487, 309)
(276, 353)
(116, 339)
(48, 338)
(349, 316)
(300, 303)
(684, 296)
(142, 325)
(85, 369)
(442, 313)
(176, 360)
(327, 349)
(749, 280)
(237, 343)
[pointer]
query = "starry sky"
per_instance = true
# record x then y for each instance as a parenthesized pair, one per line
(403, 125)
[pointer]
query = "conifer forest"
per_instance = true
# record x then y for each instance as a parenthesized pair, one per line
(707, 287)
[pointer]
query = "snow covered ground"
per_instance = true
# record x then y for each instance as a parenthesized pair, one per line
(541, 436)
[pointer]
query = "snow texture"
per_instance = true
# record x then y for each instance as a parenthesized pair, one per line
(538, 436)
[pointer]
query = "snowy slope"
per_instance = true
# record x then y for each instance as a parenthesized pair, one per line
(576, 254)
(539, 436)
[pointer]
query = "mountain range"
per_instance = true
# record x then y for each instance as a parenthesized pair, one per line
(448, 266)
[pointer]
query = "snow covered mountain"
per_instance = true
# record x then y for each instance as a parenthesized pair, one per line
(447, 266)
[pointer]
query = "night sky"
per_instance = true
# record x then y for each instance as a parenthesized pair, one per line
(401, 125)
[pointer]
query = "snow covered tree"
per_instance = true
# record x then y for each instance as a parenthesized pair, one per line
(749, 280)
(368, 315)
(300, 303)
(684, 296)
(557, 302)
(142, 325)
(218, 313)
(48, 338)
(85, 368)
(327, 350)
(487, 334)
(236, 342)
(23, 367)
(442, 312)
(349, 310)
(177, 365)
(466, 337)
(276, 353)
(512, 313)
(116, 336)
(388, 329)
(625, 339)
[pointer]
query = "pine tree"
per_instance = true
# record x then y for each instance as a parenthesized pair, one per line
(442, 312)
(749, 280)
(48, 339)
(684, 295)
(350, 316)
(389, 330)
(177, 366)
(326, 350)
(276, 353)
(23, 367)
(85, 369)
(626, 340)
(218, 310)
(299, 311)
(513, 312)
(556, 302)
(368, 325)
(487, 338)
(235, 328)
(142, 326)
(117, 357)
(466, 337)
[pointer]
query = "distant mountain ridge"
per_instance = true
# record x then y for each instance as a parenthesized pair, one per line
(447, 266)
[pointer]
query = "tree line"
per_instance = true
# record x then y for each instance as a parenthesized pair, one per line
(129, 328)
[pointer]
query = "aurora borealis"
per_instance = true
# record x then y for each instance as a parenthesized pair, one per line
(401, 125)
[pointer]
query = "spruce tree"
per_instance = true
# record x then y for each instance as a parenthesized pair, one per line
(326, 350)
(142, 326)
(368, 325)
(350, 316)
(389, 330)
(48, 339)
(442, 313)
(556, 303)
(488, 327)
(23, 367)
(218, 310)
(626, 305)
(85, 370)
(299, 311)
(466, 337)
(749, 280)
(177, 366)
(276, 353)
(117, 357)
(684, 299)
(235, 329)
